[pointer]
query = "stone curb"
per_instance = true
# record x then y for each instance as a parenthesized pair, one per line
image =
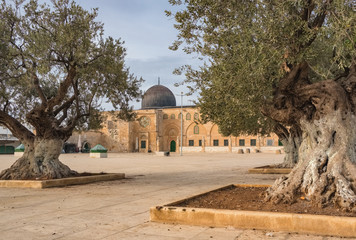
(289, 222)
(270, 170)
(60, 182)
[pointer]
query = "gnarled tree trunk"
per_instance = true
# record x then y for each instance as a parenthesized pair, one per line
(325, 111)
(326, 171)
(39, 161)
(291, 139)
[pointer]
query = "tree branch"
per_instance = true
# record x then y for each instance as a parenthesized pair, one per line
(39, 89)
(7, 103)
(317, 22)
(64, 116)
(281, 131)
(305, 15)
(16, 128)
(298, 76)
(65, 105)
(63, 88)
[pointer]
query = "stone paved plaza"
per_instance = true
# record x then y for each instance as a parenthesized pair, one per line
(120, 209)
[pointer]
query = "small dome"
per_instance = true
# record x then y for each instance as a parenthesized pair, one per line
(158, 96)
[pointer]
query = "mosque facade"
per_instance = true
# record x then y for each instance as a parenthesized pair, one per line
(159, 127)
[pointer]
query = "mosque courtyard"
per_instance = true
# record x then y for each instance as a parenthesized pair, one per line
(120, 209)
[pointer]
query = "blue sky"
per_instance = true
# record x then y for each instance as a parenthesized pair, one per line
(147, 33)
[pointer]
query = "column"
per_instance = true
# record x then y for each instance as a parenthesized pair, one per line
(230, 144)
(203, 144)
(157, 144)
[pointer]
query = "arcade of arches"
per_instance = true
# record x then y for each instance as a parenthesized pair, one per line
(158, 128)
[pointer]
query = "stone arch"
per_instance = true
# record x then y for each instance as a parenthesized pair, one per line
(86, 147)
(171, 127)
(215, 135)
(170, 133)
(191, 135)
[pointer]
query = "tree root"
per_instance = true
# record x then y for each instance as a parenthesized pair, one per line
(22, 169)
(329, 188)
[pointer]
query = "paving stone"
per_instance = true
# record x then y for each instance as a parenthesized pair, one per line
(167, 230)
(228, 233)
(120, 209)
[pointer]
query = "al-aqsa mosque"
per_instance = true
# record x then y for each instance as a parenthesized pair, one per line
(157, 128)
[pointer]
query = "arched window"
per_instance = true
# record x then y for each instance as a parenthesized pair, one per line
(179, 116)
(196, 129)
(173, 116)
(188, 116)
(196, 116)
(165, 116)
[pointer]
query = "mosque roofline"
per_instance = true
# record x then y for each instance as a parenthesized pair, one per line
(167, 107)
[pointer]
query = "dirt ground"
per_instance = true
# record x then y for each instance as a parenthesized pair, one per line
(252, 199)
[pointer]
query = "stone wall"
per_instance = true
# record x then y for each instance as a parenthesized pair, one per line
(160, 130)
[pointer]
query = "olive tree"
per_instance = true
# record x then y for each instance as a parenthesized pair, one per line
(56, 68)
(287, 66)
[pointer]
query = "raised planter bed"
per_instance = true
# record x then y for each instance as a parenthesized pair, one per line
(269, 170)
(272, 221)
(61, 182)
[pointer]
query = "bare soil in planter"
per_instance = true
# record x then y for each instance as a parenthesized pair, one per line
(251, 199)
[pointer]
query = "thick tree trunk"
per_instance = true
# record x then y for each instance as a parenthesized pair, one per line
(40, 161)
(326, 171)
(291, 140)
(325, 111)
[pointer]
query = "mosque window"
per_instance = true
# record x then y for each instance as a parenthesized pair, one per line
(196, 129)
(253, 142)
(191, 143)
(215, 142)
(241, 142)
(173, 116)
(179, 116)
(269, 142)
(196, 116)
(188, 117)
(200, 143)
(165, 116)
(226, 142)
(143, 144)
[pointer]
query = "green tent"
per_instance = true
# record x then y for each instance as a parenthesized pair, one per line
(20, 148)
(98, 149)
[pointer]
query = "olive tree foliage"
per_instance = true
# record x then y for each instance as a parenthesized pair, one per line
(56, 69)
(249, 45)
(289, 66)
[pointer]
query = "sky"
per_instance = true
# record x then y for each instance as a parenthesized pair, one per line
(147, 33)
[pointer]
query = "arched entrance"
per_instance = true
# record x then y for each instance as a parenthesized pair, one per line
(173, 146)
(86, 147)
